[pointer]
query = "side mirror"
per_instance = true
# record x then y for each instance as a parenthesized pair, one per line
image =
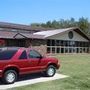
(40, 57)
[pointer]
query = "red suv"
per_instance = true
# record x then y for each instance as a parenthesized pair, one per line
(18, 61)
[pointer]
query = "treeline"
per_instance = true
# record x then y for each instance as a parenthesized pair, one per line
(82, 23)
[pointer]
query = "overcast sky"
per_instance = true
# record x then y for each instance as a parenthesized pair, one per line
(30, 11)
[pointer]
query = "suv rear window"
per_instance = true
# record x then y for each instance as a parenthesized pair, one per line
(23, 55)
(7, 54)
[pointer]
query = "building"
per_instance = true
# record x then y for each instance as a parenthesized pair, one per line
(68, 40)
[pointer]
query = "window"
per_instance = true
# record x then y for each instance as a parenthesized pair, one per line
(57, 43)
(58, 50)
(86, 44)
(62, 44)
(65, 43)
(19, 43)
(23, 55)
(53, 42)
(70, 34)
(48, 42)
(34, 54)
(48, 50)
(78, 44)
(62, 50)
(7, 54)
(53, 50)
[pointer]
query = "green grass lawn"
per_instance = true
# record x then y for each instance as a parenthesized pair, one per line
(77, 67)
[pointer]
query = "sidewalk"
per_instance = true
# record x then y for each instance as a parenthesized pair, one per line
(32, 80)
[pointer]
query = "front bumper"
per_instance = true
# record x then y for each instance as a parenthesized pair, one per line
(58, 66)
(0, 73)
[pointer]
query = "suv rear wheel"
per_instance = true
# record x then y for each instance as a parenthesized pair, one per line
(10, 76)
(51, 70)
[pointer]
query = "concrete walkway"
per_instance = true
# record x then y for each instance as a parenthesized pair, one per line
(31, 79)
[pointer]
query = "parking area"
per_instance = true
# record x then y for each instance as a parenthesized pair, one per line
(31, 79)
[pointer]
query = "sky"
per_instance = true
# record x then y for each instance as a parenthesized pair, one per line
(39, 11)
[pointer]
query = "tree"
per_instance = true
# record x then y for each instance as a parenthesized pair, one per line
(49, 24)
(35, 25)
(55, 24)
(83, 24)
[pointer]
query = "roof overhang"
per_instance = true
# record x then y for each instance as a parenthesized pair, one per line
(41, 34)
(78, 30)
(50, 33)
(14, 35)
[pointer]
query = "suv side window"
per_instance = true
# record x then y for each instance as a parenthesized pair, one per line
(34, 54)
(23, 55)
(7, 54)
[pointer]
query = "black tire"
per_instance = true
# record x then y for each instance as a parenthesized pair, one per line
(6, 76)
(50, 71)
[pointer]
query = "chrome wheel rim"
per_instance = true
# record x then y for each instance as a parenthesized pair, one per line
(10, 77)
(51, 71)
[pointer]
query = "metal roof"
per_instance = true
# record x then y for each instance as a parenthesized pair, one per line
(5, 34)
(20, 26)
(59, 31)
(28, 35)
(52, 32)
(14, 35)
(39, 35)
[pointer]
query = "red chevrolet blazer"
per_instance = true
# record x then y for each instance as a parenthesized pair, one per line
(18, 61)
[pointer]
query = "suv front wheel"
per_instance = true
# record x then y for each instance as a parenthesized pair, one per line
(10, 76)
(50, 71)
